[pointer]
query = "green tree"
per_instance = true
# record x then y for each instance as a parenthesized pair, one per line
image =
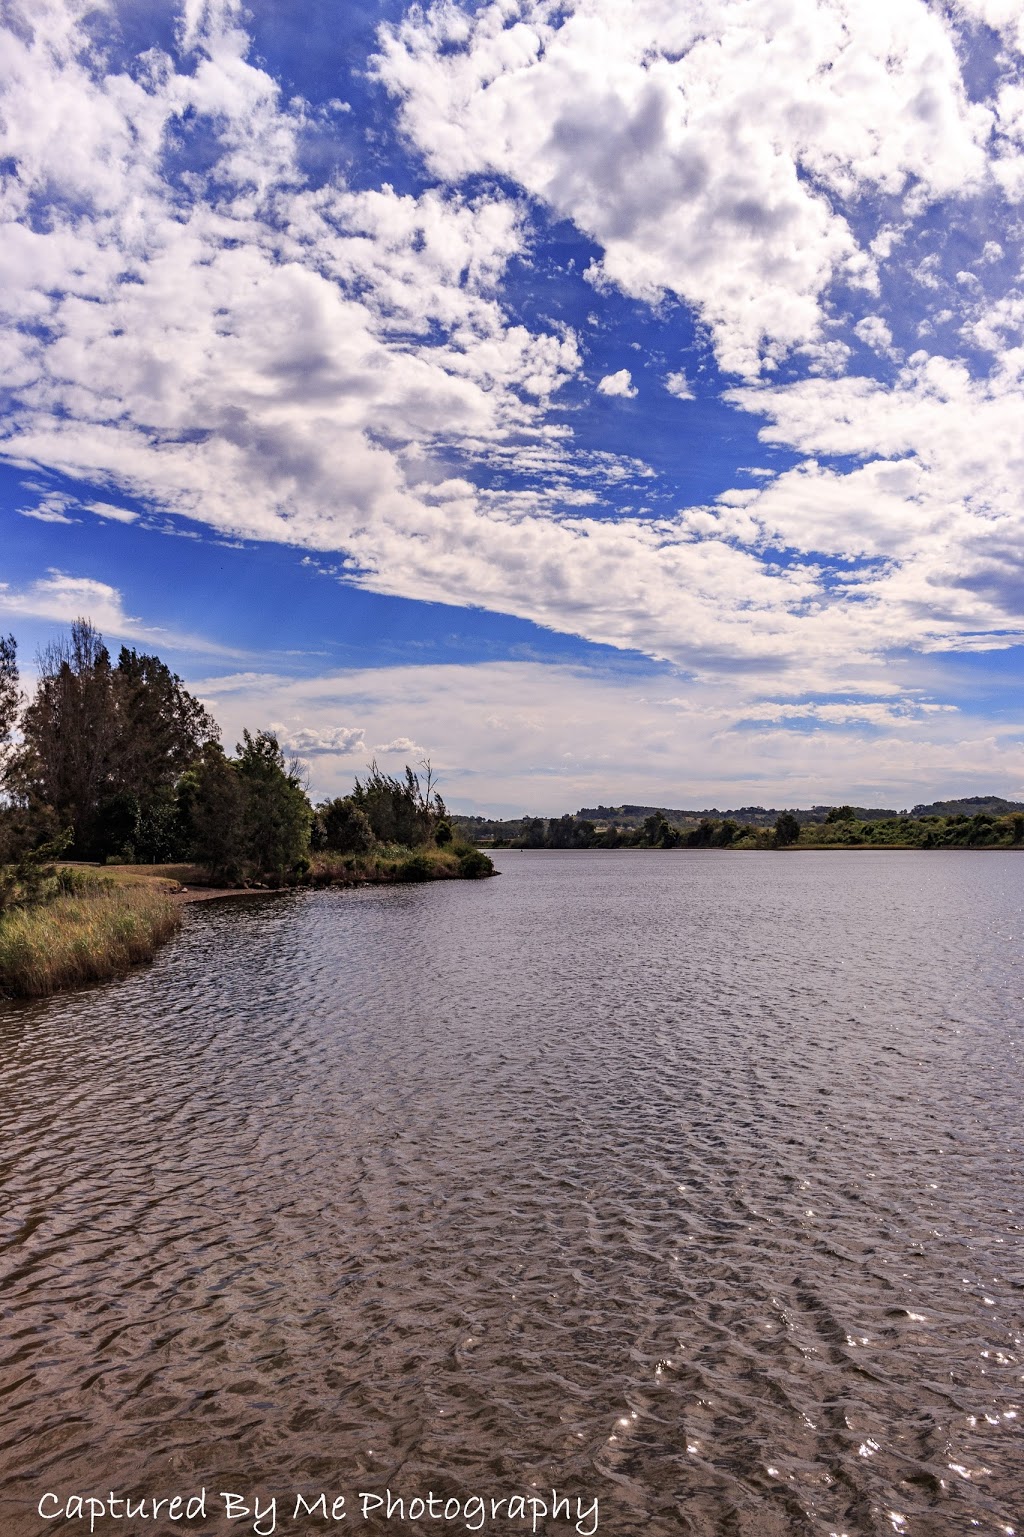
(69, 729)
(841, 814)
(276, 813)
(787, 830)
(211, 814)
(403, 811)
(343, 828)
(105, 746)
(160, 728)
(10, 697)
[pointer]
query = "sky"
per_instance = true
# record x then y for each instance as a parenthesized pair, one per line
(608, 402)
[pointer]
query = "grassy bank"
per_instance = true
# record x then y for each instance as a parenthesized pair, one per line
(385, 865)
(92, 924)
(88, 927)
(392, 864)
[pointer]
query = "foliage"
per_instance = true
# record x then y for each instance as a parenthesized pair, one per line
(211, 814)
(9, 695)
(841, 814)
(473, 863)
(400, 810)
(342, 827)
(276, 814)
(787, 830)
(455, 861)
(105, 745)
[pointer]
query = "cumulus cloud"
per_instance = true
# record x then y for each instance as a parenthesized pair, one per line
(331, 741)
(620, 383)
(650, 127)
(401, 744)
(328, 367)
(678, 385)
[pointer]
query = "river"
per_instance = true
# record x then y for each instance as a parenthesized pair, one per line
(686, 1182)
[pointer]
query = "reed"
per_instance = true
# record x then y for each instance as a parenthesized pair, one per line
(94, 931)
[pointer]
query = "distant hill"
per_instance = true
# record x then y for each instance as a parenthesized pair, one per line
(968, 805)
(752, 816)
(630, 817)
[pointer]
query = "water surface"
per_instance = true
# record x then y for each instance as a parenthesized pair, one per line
(687, 1181)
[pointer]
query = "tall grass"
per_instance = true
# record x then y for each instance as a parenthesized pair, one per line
(392, 862)
(94, 929)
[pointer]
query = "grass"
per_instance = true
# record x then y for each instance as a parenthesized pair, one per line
(89, 927)
(392, 863)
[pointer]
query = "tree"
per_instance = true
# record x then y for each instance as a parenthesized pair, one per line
(276, 812)
(787, 830)
(69, 730)
(211, 813)
(10, 697)
(105, 746)
(344, 829)
(400, 810)
(841, 814)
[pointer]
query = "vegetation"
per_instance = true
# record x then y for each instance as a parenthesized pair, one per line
(119, 764)
(82, 927)
(839, 827)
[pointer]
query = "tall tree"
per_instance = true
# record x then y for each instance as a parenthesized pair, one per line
(69, 729)
(9, 695)
(275, 808)
(106, 745)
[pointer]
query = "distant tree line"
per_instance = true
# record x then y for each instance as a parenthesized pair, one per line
(841, 826)
(117, 761)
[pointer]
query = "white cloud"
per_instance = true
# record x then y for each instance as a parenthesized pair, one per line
(330, 741)
(678, 385)
(565, 737)
(875, 333)
(401, 744)
(650, 126)
(620, 383)
(325, 367)
(61, 598)
(118, 514)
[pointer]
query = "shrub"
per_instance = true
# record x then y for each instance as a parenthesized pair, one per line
(474, 863)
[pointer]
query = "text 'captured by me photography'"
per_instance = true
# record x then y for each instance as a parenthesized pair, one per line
(511, 768)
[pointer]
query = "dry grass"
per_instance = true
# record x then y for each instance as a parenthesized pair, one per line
(97, 930)
(388, 864)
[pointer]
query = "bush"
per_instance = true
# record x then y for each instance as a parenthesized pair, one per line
(474, 863)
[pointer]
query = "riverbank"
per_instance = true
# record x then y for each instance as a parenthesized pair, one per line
(94, 923)
(91, 927)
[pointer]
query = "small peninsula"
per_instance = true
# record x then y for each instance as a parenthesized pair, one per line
(119, 805)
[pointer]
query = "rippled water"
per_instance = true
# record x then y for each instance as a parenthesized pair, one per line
(689, 1182)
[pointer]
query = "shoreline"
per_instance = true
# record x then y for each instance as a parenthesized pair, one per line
(96, 923)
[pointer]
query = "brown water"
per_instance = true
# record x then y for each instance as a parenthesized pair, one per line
(687, 1182)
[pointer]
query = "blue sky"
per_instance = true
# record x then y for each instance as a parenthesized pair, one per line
(608, 402)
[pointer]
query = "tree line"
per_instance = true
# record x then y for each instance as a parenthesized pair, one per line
(117, 761)
(841, 827)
